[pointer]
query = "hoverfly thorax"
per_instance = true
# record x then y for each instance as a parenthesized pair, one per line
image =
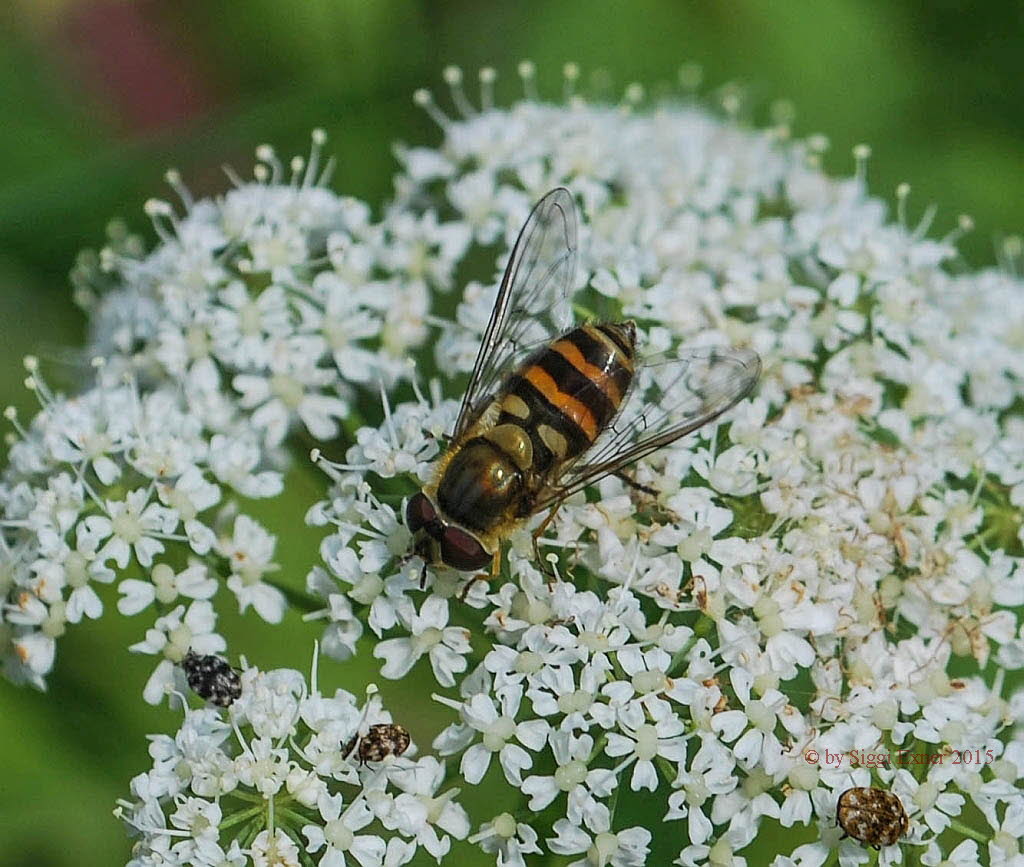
(552, 406)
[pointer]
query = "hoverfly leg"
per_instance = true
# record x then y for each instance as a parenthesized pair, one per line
(486, 577)
(541, 527)
(469, 586)
(423, 576)
(545, 567)
(634, 484)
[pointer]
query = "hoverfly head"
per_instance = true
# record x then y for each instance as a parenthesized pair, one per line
(426, 527)
(462, 550)
(439, 542)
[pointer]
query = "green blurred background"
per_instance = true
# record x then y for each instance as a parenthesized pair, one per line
(99, 97)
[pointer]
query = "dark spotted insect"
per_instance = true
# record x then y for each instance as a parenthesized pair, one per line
(552, 407)
(872, 816)
(212, 678)
(380, 741)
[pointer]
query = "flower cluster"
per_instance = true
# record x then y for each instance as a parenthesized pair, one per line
(836, 567)
(829, 569)
(283, 772)
(254, 319)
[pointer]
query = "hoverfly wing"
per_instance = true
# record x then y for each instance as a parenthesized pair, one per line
(671, 398)
(532, 306)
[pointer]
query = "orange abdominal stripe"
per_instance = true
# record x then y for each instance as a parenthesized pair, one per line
(600, 378)
(568, 405)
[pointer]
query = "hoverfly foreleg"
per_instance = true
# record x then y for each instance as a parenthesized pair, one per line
(634, 484)
(541, 527)
(490, 576)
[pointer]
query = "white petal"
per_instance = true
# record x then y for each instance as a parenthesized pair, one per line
(533, 733)
(398, 655)
(136, 595)
(514, 760)
(368, 850)
(699, 826)
(269, 602)
(541, 790)
(644, 777)
(83, 601)
(475, 762)
(748, 748)
(161, 678)
(729, 724)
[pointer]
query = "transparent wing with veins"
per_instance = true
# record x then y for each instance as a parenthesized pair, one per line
(532, 306)
(670, 398)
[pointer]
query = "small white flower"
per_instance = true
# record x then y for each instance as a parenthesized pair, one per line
(338, 835)
(927, 801)
(626, 848)
(645, 742)
(249, 551)
(583, 785)
(200, 818)
(430, 634)
(191, 494)
(171, 637)
(243, 326)
(421, 811)
(262, 767)
(64, 567)
(164, 585)
(274, 850)
(234, 461)
(758, 744)
(131, 525)
(292, 388)
(497, 726)
(510, 839)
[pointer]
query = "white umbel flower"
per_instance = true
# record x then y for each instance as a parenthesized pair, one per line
(753, 603)
(288, 750)
(835, 563)
(431, 636)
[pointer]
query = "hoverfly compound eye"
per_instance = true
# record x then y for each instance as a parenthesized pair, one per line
(462, 551)
(419, 512)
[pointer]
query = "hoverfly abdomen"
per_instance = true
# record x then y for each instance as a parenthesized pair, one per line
(479, 485)
(568, 392)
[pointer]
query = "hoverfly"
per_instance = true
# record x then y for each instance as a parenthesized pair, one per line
(551, 408)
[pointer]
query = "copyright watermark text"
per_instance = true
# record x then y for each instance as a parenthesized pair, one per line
(869, 759)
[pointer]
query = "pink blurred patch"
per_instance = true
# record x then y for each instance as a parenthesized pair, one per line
(127, 56)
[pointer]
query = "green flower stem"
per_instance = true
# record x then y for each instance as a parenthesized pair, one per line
(961, 828)
(668, 770)
(297, 820)
(599, 745)
(243, 816)
(250, 831)
(700, 630)
(613, 804)
(299, 599)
